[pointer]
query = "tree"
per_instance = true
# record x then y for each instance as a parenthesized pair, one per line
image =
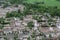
(2, 23)
(14, 14)
(15, 35)
(5, 38)
(6, 5)
(19, 11)
(57, 0)
(30, 24)
(33, 35)
(28, 38)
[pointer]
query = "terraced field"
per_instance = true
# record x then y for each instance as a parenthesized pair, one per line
(47, 2)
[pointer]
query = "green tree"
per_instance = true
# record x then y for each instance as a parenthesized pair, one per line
(14, 14)
(2, 23)
(30, 24)
(28, 38)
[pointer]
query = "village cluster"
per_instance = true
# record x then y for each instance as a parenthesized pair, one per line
(19, 30)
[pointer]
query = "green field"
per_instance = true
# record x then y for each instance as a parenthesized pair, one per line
(47, 2)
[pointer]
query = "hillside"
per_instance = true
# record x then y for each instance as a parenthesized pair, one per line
(1, 0)
(46, 2)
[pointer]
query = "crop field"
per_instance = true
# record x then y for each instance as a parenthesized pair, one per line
(47, 2)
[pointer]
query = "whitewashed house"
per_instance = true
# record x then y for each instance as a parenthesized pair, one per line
(2, 39)
(7, 30)
(58, 23)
